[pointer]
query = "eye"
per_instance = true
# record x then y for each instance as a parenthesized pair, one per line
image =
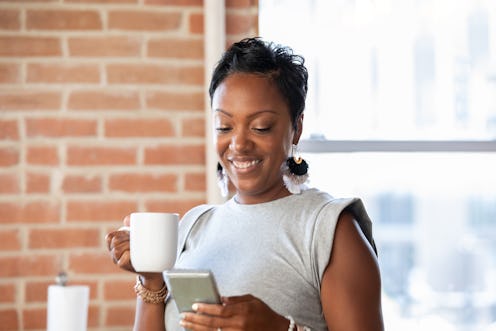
(222, 129)
(262, 129)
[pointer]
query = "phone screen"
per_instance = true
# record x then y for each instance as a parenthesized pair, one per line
(190, 286)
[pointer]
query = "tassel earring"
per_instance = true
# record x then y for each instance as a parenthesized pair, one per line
(222, 180)
(295, 172)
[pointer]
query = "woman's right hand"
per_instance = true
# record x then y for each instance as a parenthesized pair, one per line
(119, 248)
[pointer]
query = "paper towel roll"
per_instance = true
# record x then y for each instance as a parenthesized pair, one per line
(67, 308)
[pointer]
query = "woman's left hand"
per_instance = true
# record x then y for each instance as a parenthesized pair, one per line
(244, 312)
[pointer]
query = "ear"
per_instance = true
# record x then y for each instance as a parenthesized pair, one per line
(299, 130)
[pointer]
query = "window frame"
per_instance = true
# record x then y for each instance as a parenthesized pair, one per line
(350, 146)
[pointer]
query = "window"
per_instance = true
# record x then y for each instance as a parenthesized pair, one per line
(401, 111)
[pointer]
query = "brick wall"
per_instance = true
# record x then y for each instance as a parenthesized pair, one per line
(101, 114)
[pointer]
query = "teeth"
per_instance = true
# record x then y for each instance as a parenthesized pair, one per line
(244, 165)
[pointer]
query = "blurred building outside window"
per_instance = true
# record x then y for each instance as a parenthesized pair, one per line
(401, 111)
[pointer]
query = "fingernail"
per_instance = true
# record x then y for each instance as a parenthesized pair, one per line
(195, 306)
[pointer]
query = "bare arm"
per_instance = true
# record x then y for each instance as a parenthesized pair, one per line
(351, 284)
(150, 316)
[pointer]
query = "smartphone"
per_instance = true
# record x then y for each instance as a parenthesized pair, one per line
(188, 286)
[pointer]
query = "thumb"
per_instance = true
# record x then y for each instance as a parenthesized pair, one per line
(126, 221)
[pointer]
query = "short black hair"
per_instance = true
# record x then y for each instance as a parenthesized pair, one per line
(286, 69)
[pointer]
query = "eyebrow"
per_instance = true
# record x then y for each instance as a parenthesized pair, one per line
(218, 110)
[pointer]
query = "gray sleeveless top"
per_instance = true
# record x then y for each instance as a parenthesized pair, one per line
(276, 251)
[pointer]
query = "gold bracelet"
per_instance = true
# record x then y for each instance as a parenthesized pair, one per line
(150, 296)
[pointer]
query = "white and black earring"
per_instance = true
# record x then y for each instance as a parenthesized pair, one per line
(295, 172)
(222, 180)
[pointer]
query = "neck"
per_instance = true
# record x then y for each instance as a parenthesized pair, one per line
(250, 199)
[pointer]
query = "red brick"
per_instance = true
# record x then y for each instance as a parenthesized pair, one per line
(143, 20)
(34, 1)
(37, 291)
(63, 238)
(30, 265)
(175, 2)
(92, 264)
(195, 182)
(30, 100)
(9, 156)
(42, 155)
(10, 240)
(240, 3)
(63, 20)
(62, 73)
(154, 74)
(8, 292)
(34, 318)
(30, 46)
(94, 315)
(9, 19)
(129, 182)
(240, 24)
(9, 130)
(9, 183)
(9, 73)
(99, 210)
(29, 212)
(155, 127)
(119, 290)
(172, 206)
(9, 319)
(176, 48)
(119, 316)
(194, 127)
(103, 2)
(175, 101)
(104, 100)
(82, 184)
(37, 182)
(105, 46)
(100, 155)
(60, 127)
(175, 154)
(196, 22)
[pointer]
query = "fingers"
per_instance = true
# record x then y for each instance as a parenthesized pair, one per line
(209, 309)
(118, 246)
(124, 260)
(212, 316)
(203, 322)
(244, 312)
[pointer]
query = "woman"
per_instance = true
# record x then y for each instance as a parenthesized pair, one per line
(285, 257)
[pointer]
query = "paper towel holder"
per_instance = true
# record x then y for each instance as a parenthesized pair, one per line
(61, 278)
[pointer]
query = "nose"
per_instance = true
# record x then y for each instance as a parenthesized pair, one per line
(240, 141)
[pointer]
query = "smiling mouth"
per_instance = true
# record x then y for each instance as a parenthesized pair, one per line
(244, 164)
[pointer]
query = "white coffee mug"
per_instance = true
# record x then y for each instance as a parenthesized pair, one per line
(153, 241)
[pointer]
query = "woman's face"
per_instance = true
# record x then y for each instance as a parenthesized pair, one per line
(254, 134)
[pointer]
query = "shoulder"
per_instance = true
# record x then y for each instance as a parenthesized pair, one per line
(197, 210)
(192, 215)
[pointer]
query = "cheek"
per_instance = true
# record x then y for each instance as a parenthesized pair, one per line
(221, 144)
